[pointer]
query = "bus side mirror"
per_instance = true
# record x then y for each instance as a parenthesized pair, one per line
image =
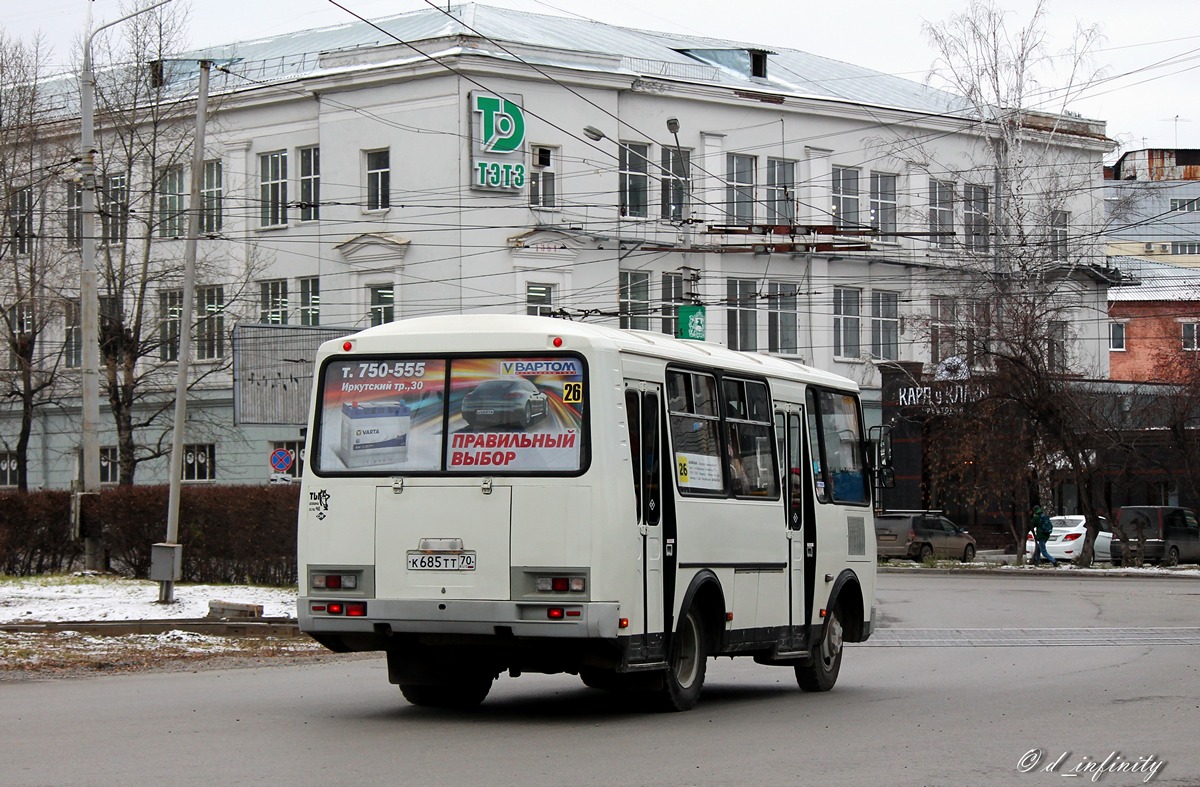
(887, 478)
(881, 438)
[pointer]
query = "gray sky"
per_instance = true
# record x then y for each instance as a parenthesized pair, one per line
(1149, 92)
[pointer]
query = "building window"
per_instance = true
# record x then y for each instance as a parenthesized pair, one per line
(541, 177)
(1185, 247)
(943, 313)
(383, 303)
(296, 449)
(847, 311)
(200, 462)
(539, 299)
(379, 179)
(1058, 234)
(883, 203)
(310, 183)
(170, 313)
(634, 300)
(273, 189)
(10, 469)
(742, 297)
(885, 325)
(273, 303)
(210, 327)
(1116, 336)
(976, 224)
(20, 220)
(845, 198)
(212, 199)
(676, 184)
(1186, 204)
(110, 465)
(672, 297)
(781, 191)
(635, 179)
(114, 209)
(21, 324)
(782, 322)
(1190, 336)
(941, 213)
(74, 215)
(1056, 347)
(739, 192)
(170, 203)
(73, 333)
(310, 301)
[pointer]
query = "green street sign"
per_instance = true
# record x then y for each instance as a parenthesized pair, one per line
(691, 323)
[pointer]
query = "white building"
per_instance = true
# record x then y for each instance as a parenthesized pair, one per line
(480, 159)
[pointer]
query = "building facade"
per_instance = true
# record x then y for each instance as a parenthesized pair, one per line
(483, 160)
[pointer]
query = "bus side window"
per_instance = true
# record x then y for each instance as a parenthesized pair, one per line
(652, 487)
(814, 439)
(633, 418)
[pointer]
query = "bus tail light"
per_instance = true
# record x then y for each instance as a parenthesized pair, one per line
(356, 609)
(555, 613)
(561, 584)
(335, 608)
(335, 581)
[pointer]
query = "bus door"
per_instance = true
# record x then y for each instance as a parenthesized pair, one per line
(789, 425)
(643, 403)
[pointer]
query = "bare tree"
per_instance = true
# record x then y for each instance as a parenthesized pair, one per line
(1003, 309)
(146, 106)
(30, 259)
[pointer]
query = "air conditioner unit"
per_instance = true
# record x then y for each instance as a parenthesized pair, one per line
(1149, 247)
(1164, 247)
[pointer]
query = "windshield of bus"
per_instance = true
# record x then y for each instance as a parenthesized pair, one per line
(381, 415)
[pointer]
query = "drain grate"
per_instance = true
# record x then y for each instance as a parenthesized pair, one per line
(1002, 638)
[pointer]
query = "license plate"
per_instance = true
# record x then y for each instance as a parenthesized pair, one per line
(424, 561)
(485, 412)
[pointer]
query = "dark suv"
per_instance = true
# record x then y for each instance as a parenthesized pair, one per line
(921, 535)
(1163, 534)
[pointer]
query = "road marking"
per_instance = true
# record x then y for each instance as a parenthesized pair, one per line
(1007, 638)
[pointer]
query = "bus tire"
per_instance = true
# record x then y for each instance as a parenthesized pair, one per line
(686, 666)
(465, 693)
(820, 673)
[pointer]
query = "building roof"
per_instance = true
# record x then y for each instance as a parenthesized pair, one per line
(1157, 281)
(649, 54)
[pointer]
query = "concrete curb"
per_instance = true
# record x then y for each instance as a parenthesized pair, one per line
(265, 627)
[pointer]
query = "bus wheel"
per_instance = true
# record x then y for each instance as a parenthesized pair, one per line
(821, 672)
(685, 668)
(467, 692)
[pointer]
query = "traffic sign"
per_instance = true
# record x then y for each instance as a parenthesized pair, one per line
(281, 460)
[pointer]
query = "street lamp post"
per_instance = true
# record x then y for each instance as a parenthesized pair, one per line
(89, 297)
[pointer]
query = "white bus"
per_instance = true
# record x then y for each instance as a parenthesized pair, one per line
(488, 494)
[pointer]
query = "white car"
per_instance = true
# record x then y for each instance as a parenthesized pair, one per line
(1066, 540)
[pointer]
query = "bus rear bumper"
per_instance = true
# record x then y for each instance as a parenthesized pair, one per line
(579, 620)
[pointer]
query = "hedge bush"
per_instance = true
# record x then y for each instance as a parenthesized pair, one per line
(231, 534)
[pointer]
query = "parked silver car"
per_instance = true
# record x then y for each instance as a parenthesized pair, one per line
(919, 536)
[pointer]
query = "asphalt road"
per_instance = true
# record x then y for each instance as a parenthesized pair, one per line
(951, 713)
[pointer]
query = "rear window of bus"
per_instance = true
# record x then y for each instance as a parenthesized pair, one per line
(382, 415)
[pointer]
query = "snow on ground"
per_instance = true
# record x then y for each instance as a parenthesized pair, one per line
(82, 597)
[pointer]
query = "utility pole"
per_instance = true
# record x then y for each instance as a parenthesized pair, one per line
(166, 592)
(89, 296)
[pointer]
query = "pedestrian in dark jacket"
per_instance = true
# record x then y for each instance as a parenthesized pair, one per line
(1042, 528)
